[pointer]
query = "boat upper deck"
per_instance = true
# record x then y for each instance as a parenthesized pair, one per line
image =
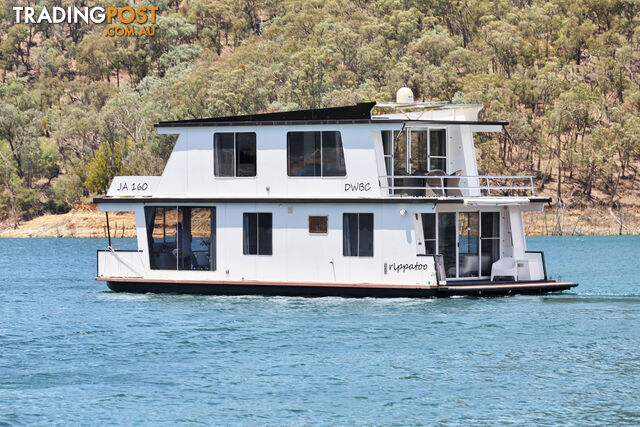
(382, 151)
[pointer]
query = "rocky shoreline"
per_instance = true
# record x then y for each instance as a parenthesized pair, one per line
(82, 221)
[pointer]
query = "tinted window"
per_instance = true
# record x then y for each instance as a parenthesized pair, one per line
(400, 153)
(250, 233)
(223, 154)
(419, 140)
(357, 234)
(429, 232)
(438, 149)
(332, 155)
(365, 231)
(234, 154)
(265, 238)
(303, 151)
(182, 238)
(490, 224)
(246, 154)
(257, 233)
(438, 142)
(315, 154)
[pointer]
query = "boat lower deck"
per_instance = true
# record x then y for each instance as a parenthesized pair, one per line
(498, 288)
(139, 285)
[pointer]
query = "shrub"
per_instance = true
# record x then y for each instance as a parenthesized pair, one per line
(28, 202)
(47, 164)
(64, 193)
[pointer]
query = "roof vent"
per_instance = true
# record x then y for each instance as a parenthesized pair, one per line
(404, 95)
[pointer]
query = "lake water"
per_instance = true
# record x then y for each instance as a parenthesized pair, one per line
(72, 352)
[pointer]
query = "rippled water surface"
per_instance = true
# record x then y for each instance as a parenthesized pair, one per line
(72, 352)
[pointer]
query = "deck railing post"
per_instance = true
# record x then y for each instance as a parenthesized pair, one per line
(108, 229)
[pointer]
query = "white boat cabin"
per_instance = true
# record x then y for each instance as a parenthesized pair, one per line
(372, 195)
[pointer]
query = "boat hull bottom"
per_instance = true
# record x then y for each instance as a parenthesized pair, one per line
(482, 289)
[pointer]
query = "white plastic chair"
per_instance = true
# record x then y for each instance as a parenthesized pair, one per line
(505, 267)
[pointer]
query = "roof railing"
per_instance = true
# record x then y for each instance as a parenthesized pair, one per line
(458, 185)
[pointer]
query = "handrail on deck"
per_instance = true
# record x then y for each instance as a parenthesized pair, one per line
(487, 187)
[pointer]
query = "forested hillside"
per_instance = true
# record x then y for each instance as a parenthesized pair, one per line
(78, 107)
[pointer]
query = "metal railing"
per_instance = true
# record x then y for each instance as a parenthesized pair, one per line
(458, 185)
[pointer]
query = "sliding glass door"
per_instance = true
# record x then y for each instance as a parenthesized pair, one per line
(469, 242)
(181, 238)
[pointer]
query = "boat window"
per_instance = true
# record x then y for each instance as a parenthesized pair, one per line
(387, 150)
(246, 154)
(428, 150)
(234, 154)
(315, 154)
(318, 224)
(419, 151)
(181, 238)
(447, 241)
(357, 234)
(438, 149)
(429, 232)
(162, 232)
(257, 233)
(400, 163)
(468, 229)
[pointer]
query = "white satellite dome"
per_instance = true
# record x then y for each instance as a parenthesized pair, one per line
(404, 95)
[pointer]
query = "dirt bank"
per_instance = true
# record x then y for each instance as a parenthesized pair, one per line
(87, 221)
(82, 221)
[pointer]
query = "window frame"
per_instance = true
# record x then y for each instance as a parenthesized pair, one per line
(480, 238)
(174, 241)
(492, 238)
(235, 155)
(344, 214)
(446, 150)
(321, 155)
(408, 150)
(244, 231)
(435, 232)
(326, 232)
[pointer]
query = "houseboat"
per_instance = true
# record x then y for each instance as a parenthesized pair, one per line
(376, 199)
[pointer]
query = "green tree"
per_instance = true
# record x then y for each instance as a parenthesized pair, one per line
(106, 164)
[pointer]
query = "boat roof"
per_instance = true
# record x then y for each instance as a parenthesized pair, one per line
(473, 201)
(351, 114)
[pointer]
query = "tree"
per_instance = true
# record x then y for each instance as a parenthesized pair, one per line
(504, 45)
(16, 48)
(93, 58)
(106, 164)
(20, 129)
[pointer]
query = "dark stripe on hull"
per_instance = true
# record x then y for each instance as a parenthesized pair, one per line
(323, 291)
(284, 290)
